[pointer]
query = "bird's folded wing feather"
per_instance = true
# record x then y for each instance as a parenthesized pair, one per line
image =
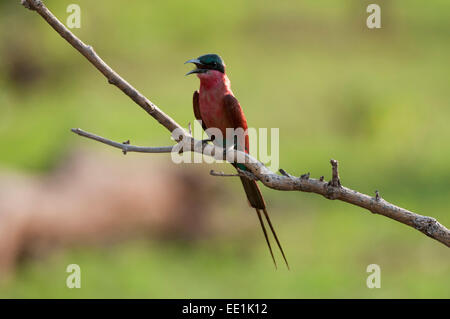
(236, 116)
(196, 105)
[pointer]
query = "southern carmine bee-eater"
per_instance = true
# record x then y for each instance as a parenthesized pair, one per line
(216, 107)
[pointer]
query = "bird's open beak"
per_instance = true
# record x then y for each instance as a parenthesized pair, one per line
(199, 65)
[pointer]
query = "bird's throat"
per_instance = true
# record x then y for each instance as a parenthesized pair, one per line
(214, 80)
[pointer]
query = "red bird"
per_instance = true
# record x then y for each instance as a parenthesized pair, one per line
(216, 107)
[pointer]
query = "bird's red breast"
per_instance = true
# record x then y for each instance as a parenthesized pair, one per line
(214, 87)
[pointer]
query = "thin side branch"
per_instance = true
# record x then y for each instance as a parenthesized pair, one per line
(331, 190)
(125, 146)
(222, 174)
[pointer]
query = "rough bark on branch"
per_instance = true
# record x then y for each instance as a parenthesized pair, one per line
(332, 190)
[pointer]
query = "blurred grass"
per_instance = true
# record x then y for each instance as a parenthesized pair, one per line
(377, 100)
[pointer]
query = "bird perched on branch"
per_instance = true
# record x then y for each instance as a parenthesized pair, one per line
(216, 108)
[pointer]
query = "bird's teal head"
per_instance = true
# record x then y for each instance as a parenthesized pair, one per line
(207, 62)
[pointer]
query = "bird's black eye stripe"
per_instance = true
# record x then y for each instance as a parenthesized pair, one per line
(212, 65)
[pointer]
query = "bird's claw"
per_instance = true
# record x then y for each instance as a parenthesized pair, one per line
(228, 149)
(207, 140)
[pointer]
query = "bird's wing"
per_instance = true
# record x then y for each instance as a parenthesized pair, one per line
(236, 116)
(196, 105)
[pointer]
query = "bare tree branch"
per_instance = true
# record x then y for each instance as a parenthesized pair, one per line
(331, 190)
(285, 182)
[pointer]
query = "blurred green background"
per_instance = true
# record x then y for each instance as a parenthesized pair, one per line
(376, 100)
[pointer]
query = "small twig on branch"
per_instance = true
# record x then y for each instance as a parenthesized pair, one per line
(331, 190)
(284, 173)
(240, 173)
(335, 181)
(222, 174)
(377, 195)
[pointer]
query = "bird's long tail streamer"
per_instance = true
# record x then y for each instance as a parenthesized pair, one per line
(275, 236)
(265, 235)
(256, 200)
